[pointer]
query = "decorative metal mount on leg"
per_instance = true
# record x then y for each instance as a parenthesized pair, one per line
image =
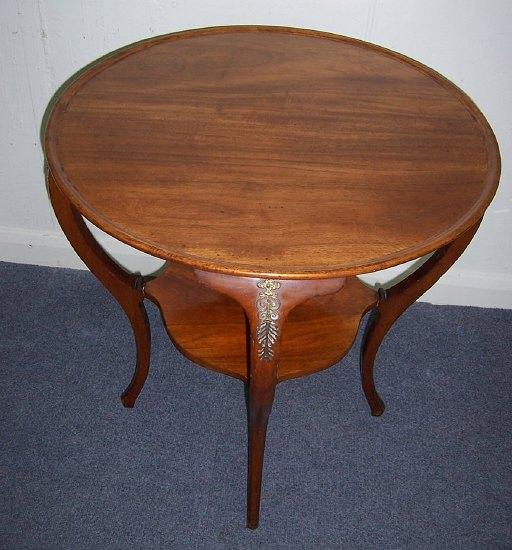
(267, 305)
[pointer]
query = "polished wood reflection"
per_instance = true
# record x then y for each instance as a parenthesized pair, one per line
(269, 166)
(272, 152)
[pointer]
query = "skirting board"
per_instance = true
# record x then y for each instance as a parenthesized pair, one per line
(51, 248)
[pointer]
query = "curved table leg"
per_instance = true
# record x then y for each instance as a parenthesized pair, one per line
(394, 301)
(266, 304)
(263, 356)
(127, 289)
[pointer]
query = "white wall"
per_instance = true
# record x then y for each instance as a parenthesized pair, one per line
(43, 42)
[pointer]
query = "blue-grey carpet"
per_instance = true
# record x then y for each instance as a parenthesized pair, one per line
(78, 471)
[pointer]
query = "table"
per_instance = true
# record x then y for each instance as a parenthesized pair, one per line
(269, 167)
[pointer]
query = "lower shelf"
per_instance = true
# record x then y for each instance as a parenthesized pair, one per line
(210, 328)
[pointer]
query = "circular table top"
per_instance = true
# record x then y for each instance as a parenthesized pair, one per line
(272, 152)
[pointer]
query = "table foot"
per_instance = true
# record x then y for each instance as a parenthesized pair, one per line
(395, 300)
(266, 303)
(126, 288)
(260, 394)
(374, 400)
(142, 334)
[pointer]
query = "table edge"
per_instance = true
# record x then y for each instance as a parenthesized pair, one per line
(71, 86)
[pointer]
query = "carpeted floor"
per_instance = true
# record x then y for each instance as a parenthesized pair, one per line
(78, 471)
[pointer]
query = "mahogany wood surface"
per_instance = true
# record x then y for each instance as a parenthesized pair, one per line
(124, 287)
(259, 299)
(272, 152)
(206, 316)
(269, 166)
(210, 328)
(393, 302)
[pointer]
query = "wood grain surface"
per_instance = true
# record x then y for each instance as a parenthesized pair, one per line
(272, 152)
(210, 327)
(248, 154)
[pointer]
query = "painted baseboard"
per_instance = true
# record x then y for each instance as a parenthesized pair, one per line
(51, 248)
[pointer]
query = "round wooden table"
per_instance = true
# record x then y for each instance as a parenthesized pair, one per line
(269, 166)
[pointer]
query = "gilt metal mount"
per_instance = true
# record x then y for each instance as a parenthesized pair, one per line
(267, 305)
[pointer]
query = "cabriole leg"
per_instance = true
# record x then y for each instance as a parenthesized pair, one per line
(127, 289)
(394, 301)
(266, 304)
(266, 323)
